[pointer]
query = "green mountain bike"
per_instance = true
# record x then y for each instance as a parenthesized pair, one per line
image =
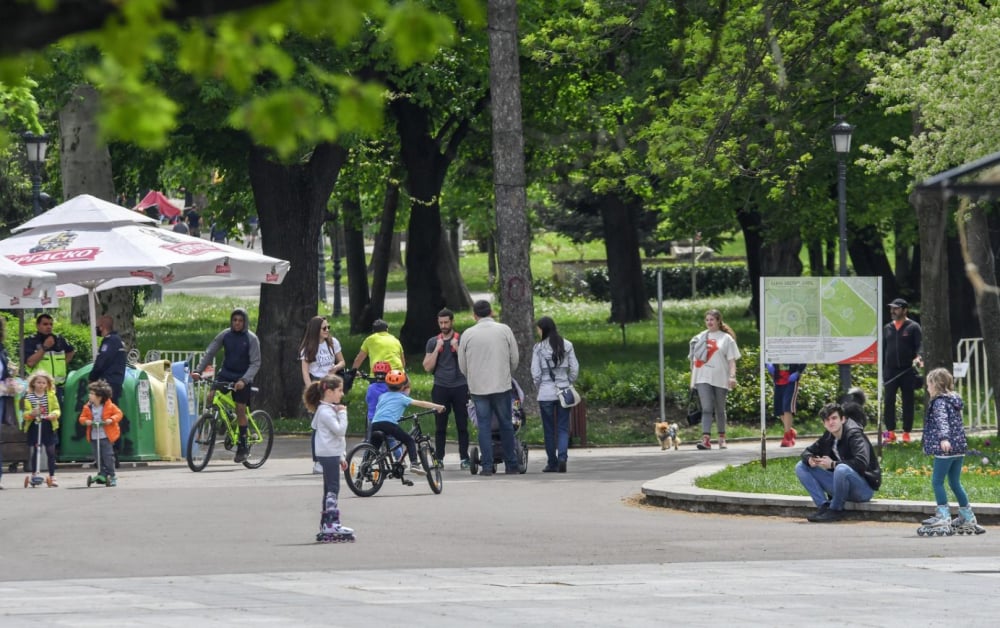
(218, 424)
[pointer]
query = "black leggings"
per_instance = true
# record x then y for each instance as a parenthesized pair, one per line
(393, 429)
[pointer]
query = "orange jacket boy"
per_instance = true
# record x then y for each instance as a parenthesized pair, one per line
(110, 411)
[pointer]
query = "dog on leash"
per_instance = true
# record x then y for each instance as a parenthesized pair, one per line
(666, 433)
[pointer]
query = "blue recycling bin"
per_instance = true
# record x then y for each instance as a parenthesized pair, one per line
(185, 401)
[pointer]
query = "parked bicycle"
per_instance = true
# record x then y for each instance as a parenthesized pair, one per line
(218, 424)
(369, 465)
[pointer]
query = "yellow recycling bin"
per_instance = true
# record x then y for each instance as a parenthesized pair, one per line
(166, 419)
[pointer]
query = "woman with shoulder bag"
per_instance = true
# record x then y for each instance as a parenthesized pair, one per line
(554, 368)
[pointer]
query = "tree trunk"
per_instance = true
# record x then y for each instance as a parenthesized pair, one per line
(750, 224)
(869, 259)
(816, 268)
(426, 162)
(85, 168)
(620, 218)
(781, 259)
(456, 294)
(357, 268)
(981, 253)
(382, 252)
(291, 204)
(513, 237)
(964, 319)
(932, 222)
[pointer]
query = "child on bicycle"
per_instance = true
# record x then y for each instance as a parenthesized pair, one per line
(322, 397)
(101, 416)
(391, 406)
(375, 390)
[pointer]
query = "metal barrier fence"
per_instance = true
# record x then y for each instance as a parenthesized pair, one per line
(972, 382)
(198, 390)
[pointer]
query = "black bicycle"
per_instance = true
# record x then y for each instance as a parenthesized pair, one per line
(368, 466)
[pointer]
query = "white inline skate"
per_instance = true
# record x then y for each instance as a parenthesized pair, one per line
(965, 522)
(938, 525)
(330, 530)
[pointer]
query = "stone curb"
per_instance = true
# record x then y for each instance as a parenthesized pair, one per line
(678, 491)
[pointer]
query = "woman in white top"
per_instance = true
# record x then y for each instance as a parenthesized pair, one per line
(713, 354)
(320, 355)
(553, 367)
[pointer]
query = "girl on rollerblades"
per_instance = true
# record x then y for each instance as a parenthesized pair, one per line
(944, 438)
(322, 398)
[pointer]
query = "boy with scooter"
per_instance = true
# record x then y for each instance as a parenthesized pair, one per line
(101, 416)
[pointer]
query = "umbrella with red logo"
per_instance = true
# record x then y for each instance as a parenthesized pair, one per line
(92, 245)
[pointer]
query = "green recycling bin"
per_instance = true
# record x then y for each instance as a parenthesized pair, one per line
(138, 440)
(73, 444)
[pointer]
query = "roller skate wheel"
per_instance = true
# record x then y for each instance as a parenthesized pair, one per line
(921, 532)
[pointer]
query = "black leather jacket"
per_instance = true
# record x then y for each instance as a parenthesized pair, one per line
(853, 449)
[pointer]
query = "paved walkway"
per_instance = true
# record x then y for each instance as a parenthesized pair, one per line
(678, 490)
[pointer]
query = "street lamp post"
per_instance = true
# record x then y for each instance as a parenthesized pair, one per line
(841, 134)
(36, 146)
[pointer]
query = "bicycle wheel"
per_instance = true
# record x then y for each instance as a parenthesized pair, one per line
(366, 470)
(260, 439)
(432, 470)
(201, 441)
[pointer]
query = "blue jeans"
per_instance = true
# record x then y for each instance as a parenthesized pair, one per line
(488, 406)
(842, 484)
(555, 427)
(951, 468)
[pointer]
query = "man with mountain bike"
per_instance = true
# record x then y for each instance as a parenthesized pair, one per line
(241, 363)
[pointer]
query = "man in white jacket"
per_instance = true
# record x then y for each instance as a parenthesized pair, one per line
(488, 357)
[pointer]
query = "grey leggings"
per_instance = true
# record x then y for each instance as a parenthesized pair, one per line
(713, 402)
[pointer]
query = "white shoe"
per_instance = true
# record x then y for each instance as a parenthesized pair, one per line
(317, 468)
(417, 469)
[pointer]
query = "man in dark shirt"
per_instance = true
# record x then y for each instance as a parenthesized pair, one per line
(450, 388)
(901, 346)
(240, 365)
(109, 364)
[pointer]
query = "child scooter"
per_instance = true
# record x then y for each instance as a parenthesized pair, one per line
(97, 478)
(35, 479)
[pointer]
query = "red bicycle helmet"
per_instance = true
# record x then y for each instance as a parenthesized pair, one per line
(381, 369)
(396, 378)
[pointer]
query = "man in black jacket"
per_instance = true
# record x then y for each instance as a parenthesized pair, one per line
(841, 466)
(110, 362)
(901, 345)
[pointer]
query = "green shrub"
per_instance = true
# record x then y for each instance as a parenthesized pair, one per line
(712, 279)
(818, 386)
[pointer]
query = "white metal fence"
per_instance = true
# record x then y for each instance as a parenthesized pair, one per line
(972, 382)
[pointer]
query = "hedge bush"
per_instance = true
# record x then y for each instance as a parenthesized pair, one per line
(712, 279)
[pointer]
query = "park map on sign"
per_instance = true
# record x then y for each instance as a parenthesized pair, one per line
(820, 320)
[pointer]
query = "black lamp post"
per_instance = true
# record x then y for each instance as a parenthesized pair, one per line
(36, 146)
(841, 134)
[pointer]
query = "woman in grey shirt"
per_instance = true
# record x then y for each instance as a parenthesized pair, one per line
(553, 367)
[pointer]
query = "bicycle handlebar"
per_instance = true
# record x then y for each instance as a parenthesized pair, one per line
(413, 415)
(225, 386)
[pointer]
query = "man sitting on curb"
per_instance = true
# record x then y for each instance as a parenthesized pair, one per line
(840, 466)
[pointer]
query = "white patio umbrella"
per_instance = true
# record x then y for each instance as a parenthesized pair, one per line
(25, 287)
(94, 245)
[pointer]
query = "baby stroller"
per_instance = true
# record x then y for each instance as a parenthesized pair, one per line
(518, 418)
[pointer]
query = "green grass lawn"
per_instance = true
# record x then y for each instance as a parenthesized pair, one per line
(906, 474)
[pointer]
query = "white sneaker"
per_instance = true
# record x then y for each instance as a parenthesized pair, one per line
(417, 469)
(317, 468)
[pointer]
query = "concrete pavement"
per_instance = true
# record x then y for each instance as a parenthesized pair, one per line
(230, 546)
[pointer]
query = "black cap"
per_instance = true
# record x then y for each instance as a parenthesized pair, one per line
(900, 303)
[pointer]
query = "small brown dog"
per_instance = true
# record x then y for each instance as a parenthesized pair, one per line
(667, 435)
